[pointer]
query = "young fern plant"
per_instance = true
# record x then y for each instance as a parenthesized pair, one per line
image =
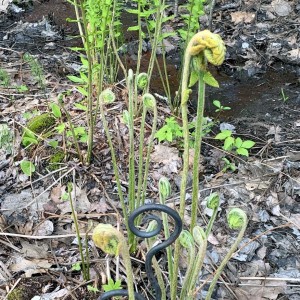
(203, 46)
(237, 220)
(111, 241)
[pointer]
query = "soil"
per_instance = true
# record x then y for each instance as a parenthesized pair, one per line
(260, 85)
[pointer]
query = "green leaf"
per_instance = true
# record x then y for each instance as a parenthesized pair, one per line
(76, 79)
(53, 144)
(248, 144)
(55, 110)
(217, 103)
(80, 106)
(27, 141)
(92, 288)
(133, 28)
(238, 142)
(22, 88)
(82, 90)
(84, 61)
(133, 11)
(223, 134)
(228, 143)
(193, 78)
(27, 167)
(76, 266)
(60, 128)
(80, 130)
(210, 80)
(111, 286)
(242, 151)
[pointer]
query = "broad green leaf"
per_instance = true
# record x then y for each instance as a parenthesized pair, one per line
(76, 79)
(22, 88)
(223, 134)
(193, 78)
(228, 143)
(248, 144)
(55, 110)
(238, 142)
(80, 130)
(53, 144)
(27, 167)
(80, 106)
(210, 80)
(26, 141)
(60, 128)
(217, 103)
(84, 61)
(76, 266)
(242, 151)
(82, 90)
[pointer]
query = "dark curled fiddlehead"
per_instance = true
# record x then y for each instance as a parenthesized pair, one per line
(153, 251)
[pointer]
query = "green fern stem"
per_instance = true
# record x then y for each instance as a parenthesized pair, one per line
(198, 140)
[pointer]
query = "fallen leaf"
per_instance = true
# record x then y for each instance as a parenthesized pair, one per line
(242, 17)
(34, 250)
(168, 157)
(101, 207)
(281, 8)
(82, 202)
(260, 289)
(294, 54)
(44, 228)
(55, 194)
(29, 267)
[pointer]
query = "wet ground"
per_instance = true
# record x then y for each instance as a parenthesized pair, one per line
(264, 106)
(257, 95)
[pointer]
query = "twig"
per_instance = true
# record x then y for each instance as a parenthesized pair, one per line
(42, 237)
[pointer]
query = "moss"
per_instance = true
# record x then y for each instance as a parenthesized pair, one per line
(56, 159)
(41, 123)
(16, 294)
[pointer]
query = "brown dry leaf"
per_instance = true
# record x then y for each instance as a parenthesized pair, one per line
(100, 207)
(30, 267)
(34, 250)
(82, 202)
(295, 218)
(260, 290)
(242, 17)
(56, 194)
(294, 54)
(168, 157)
(273, 204)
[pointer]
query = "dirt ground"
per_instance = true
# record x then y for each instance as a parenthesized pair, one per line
(259, 81)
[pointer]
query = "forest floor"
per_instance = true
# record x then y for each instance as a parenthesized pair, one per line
(259, 80)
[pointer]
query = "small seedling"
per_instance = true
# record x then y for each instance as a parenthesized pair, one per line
(228, 165)
(170, 131)
(93, 289)
(284, 97)
(219, 106)
(27, 167)
(112, 285)
(76, 266)
(22, 88)
(237, 144)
